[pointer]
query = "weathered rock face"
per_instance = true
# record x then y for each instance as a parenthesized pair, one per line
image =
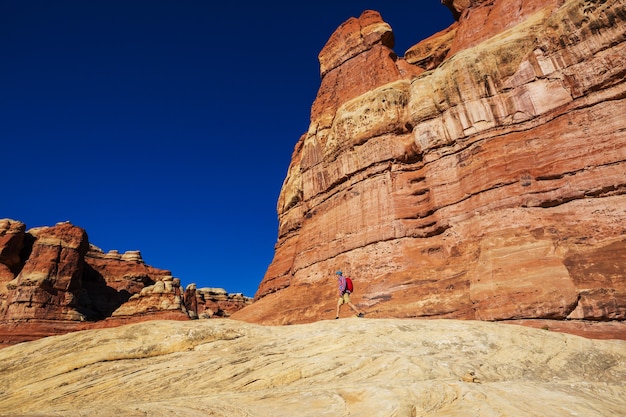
(48, 284)
(11, 244)
(213, 302)
(53, 281)
(357, 59)
(123, 285)
(491, 186)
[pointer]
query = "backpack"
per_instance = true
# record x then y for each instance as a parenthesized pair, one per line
(349, 287)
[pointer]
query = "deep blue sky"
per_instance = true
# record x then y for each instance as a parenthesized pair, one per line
(168, 126)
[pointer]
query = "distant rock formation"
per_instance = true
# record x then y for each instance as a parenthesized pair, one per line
(482, 176)
(52, 280)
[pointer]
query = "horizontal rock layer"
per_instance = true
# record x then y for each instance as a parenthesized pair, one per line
(487, 183)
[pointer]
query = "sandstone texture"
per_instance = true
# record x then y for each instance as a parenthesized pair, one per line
(488, 182)
(350, 367)
(52, 280)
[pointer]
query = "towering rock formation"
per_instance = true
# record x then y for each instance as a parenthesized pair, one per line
(52, 281)
(482, 176)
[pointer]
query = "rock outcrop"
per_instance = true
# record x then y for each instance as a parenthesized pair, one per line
(483, 176)
(11, 244)
(48, 284)
(352, 367)
(52, 281)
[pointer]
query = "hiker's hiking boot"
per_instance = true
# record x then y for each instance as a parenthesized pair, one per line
(360, 315)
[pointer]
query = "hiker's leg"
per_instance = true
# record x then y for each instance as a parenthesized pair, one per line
(339, 303)
(356, 310)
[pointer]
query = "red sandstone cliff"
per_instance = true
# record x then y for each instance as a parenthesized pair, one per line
(482, 176)
(53, 281)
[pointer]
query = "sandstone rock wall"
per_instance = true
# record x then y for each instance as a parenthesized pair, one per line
(53, 281)
(487, 181)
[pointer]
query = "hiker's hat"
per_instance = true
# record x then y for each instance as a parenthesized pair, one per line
(339, 273)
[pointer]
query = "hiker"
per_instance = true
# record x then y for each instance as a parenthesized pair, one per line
(344, 295)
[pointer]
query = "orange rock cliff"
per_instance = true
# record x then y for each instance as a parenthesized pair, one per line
(480, 176)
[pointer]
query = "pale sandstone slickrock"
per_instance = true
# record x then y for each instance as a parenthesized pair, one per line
(356, 367)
